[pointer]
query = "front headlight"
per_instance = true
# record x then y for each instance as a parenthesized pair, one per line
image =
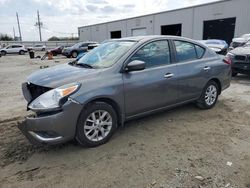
(51, 99)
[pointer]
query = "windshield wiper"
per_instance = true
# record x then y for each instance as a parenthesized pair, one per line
(84, 65)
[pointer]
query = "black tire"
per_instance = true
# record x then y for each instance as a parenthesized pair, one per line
(74, 54)
(234, 74)
(86, 112)
(43, 49)
(201, 102)
(21, 52)
(3, 52)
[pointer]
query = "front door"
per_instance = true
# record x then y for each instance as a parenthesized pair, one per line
(155, 86)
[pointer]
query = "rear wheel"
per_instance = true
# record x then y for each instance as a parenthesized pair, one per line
(209, 96)
(74, 54)
(43, 49)
(96, 124)
(234, 74)
(21, 52)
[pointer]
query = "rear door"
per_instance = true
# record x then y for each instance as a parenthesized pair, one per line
(193, 70)
(154, 87)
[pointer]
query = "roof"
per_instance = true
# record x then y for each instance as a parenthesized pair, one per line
(188, 7)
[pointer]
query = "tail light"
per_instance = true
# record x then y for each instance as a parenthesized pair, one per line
(227, 60)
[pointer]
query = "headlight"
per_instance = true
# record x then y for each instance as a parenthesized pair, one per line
(51, 99)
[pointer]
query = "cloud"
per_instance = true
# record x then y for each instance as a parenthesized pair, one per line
(60, 18)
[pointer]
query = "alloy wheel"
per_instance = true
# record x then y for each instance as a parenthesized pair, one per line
(211, 95)
(98, 125)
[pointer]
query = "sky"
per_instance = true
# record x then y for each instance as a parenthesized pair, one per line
(62, 18)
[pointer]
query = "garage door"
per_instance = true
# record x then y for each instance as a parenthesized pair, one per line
(219, 29)
(139, 32)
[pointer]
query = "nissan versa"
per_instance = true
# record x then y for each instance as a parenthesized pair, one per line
(117, 81)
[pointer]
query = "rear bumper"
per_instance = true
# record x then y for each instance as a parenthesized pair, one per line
(243, 68)
(52, 127)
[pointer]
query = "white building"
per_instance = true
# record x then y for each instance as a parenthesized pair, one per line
(223, 19)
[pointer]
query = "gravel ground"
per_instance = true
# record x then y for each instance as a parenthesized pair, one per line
(183, 147)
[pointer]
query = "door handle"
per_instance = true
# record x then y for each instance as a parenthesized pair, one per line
(168, 75)
(206, 68)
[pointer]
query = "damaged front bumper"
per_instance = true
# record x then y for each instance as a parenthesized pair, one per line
(52, 127)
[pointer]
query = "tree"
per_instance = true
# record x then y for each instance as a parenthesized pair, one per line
(54, 38)
(5, 37)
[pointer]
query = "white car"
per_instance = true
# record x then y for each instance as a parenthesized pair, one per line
(13, 49)
(240, 41)
(37, 47)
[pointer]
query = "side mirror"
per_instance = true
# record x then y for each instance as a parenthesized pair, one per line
(135, 65)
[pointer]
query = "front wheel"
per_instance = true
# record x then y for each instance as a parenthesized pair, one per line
(74, 54)
(96, 124)
(209, 96)
(3, 52)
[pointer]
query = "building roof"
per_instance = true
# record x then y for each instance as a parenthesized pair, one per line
(188, 7)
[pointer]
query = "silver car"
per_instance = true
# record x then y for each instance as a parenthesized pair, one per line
(13, 49)
(117, 81)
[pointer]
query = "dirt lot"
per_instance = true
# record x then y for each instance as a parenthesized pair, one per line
(169, 149)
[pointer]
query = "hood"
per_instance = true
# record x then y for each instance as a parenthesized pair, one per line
(239, 40)
(241, 50)
(60, 75)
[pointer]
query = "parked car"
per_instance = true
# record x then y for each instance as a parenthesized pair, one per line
(219, 46)
(90, 47)
(57, 50)
(241, 41)
(120, 80)
(76, 49)
(37, 47)
(13, 49)
(240, 58)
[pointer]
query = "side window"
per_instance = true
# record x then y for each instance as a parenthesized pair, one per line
(154, 54)
(200, 51)
(185, 51)
(84, 45)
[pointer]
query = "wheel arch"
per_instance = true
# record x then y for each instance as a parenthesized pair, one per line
(217, 81)
(112, 103)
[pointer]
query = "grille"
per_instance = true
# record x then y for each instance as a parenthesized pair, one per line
(240, 57)
(36, 90)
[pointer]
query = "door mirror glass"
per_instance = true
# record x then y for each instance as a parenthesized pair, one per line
(135, 65)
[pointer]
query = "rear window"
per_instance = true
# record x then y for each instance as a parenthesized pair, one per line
(186, 51)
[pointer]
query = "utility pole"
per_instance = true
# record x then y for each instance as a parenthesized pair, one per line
(14, 33)
(19, 27)
(39, 24)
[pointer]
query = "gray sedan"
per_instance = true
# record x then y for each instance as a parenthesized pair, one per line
(117, 81)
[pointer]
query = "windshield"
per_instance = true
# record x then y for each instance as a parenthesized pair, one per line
(106, 54)
(76, 45)
(248, 43)
(246, 36)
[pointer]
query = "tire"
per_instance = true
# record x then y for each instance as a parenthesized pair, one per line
(21, 52)
(74, 54)
(234, 74)
(208, 98)
(90, 131)
(3, 52)
(43, 49)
